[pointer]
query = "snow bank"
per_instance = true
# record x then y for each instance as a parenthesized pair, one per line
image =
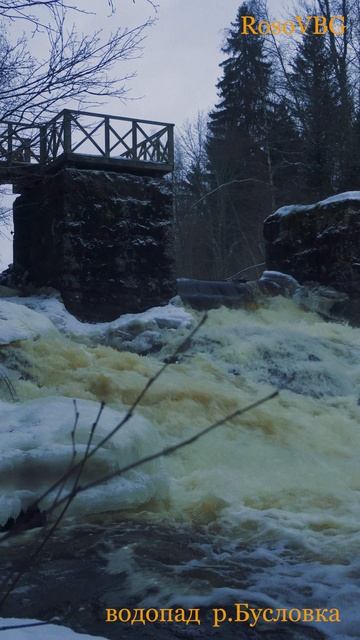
(347, 196)
(21, 323)
(48, 631)
(125, 332)
(36, 449)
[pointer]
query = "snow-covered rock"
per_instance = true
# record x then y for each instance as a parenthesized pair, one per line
(347, 196)
(21, 323)
(319, 244)
(277, 283)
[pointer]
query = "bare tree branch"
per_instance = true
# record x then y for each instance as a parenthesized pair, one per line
(167, 450)
(67, 474)
(78, 66)
(77, 469)
(77, 488)
(227, 184)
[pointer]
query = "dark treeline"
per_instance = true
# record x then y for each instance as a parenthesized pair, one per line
(285, 129)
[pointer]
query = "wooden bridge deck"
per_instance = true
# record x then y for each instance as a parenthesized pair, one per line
(85, 140)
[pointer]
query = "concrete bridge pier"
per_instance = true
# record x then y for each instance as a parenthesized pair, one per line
(102, 238)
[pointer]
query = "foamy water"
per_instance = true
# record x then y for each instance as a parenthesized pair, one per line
(277, 490)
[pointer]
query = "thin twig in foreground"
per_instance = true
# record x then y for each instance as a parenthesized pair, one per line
(170, 360)
(73, 446)
(13, 579)
(11, 582)
(77, 489)
(169, 450)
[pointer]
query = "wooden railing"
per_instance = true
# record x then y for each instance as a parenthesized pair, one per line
(79, 133)
(19, 144)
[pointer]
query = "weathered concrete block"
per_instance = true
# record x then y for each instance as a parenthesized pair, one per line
(100, 238)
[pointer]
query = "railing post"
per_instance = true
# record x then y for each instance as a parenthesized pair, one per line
(52, 141)
(27, 149)
(9, 142)
(67, 131)
(134, 139)
(171, 147)
(107, 136)
(43, 144)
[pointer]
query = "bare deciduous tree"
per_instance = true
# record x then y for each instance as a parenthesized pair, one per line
(190, 185)
(46, 61)
(76, 66)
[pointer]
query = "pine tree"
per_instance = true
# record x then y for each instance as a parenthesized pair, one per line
(317, 109)
(237, 149)
(343, 53)
(352, 177)
(285, 146)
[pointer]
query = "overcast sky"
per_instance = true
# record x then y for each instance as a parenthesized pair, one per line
(179, 67)
(177, 73)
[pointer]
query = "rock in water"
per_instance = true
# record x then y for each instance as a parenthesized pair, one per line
(319, 243)
(276, 283)
(207, 294)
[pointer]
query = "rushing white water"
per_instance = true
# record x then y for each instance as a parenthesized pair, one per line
(277, 489)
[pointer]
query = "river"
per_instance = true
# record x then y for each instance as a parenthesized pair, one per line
(264, 509)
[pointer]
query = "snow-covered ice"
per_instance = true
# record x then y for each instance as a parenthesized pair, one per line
(21, 323)
(118, 333)
(47, 632)
(36, 449)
